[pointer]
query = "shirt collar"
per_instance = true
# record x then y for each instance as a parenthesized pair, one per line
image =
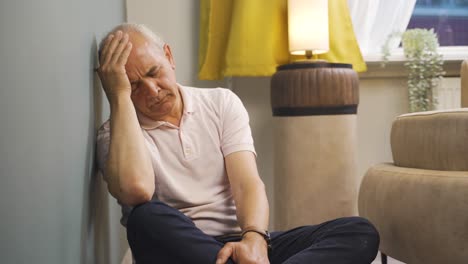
(187, 98)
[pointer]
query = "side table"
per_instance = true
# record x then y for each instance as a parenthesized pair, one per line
(315, 163)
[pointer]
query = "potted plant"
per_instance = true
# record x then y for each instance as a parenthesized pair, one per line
(424, 65)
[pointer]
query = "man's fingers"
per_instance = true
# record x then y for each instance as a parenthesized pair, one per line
(119, 49)
(105, 47)
(224, 254)
(124, 56)
(109, 52)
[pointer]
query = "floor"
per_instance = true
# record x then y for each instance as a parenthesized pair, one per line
(389, 260)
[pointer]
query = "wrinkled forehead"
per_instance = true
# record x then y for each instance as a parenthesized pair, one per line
(143, 56)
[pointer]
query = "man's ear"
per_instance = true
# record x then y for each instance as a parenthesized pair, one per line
(168, 54)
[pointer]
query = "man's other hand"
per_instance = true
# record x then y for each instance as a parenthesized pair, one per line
(251, 250)
(112, 60)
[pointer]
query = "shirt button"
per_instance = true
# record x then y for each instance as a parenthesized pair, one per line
(188, 151)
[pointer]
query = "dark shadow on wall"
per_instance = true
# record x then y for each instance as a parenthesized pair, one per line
(95, 222)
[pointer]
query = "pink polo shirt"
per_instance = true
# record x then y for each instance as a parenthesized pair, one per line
(188, 161)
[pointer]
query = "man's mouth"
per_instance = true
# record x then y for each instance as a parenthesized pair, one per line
(156, 101)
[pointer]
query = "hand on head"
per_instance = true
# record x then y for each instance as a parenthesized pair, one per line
(112, 60)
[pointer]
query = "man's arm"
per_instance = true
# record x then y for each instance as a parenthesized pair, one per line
(129, 172)
(248, 190)
(252, 209)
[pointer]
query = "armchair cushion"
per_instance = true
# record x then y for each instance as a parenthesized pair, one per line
(421, 215)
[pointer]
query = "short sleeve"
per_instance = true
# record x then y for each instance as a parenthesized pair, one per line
(236, 133)
(102, 146)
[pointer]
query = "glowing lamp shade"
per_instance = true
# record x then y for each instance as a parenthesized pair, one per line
(308, 26)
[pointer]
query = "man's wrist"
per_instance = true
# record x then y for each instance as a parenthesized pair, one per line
(253, 236)
(120, 99)
(260, 234)
(119, 96)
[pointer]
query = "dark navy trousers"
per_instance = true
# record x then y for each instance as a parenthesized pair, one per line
(160, 234)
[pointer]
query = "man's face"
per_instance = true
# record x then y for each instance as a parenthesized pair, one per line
(152, 77)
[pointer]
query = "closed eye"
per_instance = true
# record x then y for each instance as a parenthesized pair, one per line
(153, 72)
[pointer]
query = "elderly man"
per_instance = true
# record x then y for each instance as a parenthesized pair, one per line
(182, 164)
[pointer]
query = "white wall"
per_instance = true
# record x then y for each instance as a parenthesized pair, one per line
(50, 104)
(381, 100)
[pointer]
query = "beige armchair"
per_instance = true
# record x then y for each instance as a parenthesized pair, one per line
(419, 203)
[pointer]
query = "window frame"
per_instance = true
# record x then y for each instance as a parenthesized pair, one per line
(449, 53)
(452, 56)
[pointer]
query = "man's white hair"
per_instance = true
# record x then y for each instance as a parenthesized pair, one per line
(139, 28)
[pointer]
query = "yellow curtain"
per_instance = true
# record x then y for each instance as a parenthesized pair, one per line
(250, 37)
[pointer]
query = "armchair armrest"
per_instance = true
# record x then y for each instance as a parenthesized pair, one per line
(433, 140)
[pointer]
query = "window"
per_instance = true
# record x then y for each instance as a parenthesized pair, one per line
(448, 18)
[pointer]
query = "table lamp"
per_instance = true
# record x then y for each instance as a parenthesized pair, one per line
(308, 27)
(314, 104)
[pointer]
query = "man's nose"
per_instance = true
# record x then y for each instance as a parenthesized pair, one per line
(152, 89)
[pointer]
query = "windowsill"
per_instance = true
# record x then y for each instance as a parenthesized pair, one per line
(394, 68)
